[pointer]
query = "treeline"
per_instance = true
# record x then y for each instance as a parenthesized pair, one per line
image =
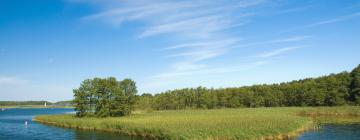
(63, 103)
(16, 103)
(29, 103)
(331, 90)
(104, 97)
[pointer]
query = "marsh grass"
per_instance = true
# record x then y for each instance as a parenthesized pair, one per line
(244, 123)
(329, 111)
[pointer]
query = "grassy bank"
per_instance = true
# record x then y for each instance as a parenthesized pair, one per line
(246, 123)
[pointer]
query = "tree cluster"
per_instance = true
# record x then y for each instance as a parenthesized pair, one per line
(104, 97)
(332, 90)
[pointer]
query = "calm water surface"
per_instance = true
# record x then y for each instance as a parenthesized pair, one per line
(334, 132)
(12, 127)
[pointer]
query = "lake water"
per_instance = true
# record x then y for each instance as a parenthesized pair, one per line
(333, 132)
(12, 127)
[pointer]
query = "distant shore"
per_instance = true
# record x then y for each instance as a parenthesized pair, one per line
(243, 123)
(33, 106)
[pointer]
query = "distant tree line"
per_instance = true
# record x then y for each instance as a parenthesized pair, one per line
(29, 103)
(17, 103)
(63, 103)
(103, 97)
(332, 90)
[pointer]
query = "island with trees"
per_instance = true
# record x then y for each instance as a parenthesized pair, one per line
(268, 111)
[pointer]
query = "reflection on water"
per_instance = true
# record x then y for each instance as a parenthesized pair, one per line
(12, 123)
(333, 132)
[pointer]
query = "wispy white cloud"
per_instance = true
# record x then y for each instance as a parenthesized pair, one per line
(291, 10)
(199, 30)
(334, 20)
(201, 22)
(290, 39)
(201, 27)
(139, 10)
(194, 56)
(166, 10)
(198, 51)
(185, 66)
(195, 71)
(276, 52)
(199, 44)
(324, 22)
(204, 70)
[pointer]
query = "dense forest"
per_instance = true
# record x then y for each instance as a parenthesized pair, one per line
(332, 90)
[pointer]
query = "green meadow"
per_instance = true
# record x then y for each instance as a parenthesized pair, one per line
(242, 123)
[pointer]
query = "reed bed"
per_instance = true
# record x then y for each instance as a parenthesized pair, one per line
(244, 123)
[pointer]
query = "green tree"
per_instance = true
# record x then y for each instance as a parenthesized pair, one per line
(355, 85)
(144, 102)
(129, 90)
(105, 97)
(82, 103)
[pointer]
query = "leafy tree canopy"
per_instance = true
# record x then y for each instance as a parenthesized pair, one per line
(104, 97)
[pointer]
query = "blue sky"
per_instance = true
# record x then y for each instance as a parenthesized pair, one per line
(48, 47)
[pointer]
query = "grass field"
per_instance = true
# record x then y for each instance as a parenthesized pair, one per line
(245, 123)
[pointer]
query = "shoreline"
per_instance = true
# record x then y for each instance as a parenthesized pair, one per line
(131, 134)
(285, 136)
(33, 107)
(293, 134)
